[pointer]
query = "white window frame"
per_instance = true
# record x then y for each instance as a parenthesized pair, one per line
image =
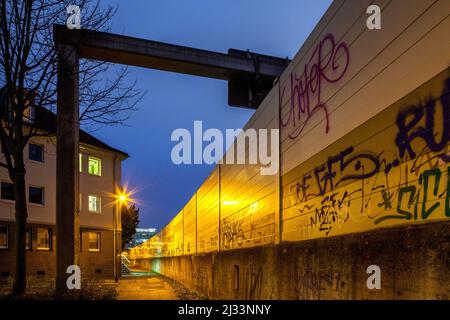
(99, 166)
(98, 204)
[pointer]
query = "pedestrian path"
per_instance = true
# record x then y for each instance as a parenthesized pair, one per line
(144, 286)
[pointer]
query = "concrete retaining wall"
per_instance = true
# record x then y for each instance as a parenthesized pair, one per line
(414, 262)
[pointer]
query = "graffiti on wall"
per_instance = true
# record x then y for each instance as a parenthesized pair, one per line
(394, 169)
(252, 283)
(251, 226)
(200, 277)
(408, 181)
(232, 232)
(328, 64)
(311, 284)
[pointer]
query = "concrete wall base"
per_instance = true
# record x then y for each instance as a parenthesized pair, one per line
(414, 263)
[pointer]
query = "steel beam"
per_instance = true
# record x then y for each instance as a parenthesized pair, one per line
(250, 76)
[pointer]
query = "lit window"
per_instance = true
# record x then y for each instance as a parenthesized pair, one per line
(7, 191)
(81, 162)
(29, 238)
(36, 195)
(94, 241)
(3, 237)
(95, 166)
(44, 239)
(36, 152)
(94, 204)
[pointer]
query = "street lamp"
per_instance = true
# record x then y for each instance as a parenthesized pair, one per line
(122, 197)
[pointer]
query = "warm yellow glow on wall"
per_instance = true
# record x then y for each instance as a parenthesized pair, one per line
(229, 203)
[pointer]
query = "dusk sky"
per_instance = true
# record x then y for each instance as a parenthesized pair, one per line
(174, 101)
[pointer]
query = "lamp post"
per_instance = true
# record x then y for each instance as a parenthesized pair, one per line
(121, 198)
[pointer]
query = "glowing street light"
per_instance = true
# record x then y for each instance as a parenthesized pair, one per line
(123, 198)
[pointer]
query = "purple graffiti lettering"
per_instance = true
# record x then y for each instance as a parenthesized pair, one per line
(409, 130)
(305, 89)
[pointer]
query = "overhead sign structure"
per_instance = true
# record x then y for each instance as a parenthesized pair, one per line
(250, 77)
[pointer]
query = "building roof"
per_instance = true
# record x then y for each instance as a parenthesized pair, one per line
(45, 120)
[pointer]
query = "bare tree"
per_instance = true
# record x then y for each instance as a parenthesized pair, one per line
(28, 66)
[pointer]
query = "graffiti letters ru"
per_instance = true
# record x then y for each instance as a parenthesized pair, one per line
(405, 179)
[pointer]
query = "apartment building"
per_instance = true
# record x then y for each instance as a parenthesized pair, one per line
(100, 178)
(141, 235)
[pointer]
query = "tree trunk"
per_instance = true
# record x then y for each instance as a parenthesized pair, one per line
(21, 227)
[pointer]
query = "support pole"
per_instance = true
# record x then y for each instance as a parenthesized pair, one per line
(67, 164)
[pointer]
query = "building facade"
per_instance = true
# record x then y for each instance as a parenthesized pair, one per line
(100, 227)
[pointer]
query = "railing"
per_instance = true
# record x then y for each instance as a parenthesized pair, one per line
(126, 264)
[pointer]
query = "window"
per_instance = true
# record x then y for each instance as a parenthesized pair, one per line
(95, 166)
(81, 162)
(29, 238)
(36, 195)
(7, 191)
(44, 239)
(94, 204)
(3, 237)
(36, 152)
(94, 241)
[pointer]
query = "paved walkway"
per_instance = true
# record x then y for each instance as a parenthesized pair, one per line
(144, 286)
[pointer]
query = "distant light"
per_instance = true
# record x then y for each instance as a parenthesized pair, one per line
(122, 198)
(145, 229)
